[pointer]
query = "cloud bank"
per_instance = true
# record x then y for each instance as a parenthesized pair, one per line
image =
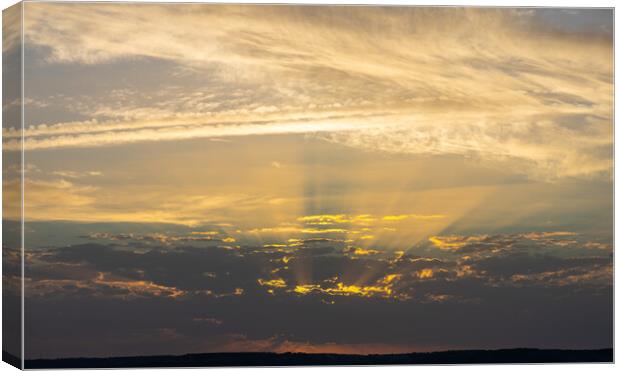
(313, 292)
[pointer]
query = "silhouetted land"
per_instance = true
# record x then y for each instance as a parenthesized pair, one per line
(304, 359)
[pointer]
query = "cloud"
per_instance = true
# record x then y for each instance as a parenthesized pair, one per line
(360, 233)
(11, 30)
(544, 269)
(205, 292)
(497, 86)
(76, 174)
(536, 146)
(482, 244)
(162, 238)
(175, 265)
(48, 199)
(214, 321)
(64, 196)
(176, 129)
(327, 219)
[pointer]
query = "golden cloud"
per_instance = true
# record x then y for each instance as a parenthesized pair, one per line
(494, 85)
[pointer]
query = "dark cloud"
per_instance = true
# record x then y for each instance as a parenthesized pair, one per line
(179, 299)
(526, 264)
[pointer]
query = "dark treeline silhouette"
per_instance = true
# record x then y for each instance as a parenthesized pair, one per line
(306, 359)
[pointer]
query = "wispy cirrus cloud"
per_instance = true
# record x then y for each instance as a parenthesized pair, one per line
(500, 87)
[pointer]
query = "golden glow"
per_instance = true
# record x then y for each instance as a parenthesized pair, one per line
(543, 235)
(278, 282)
(139, 287)
(306, 289)
(292, 229)
(390, 278)
(324, 219)
(444, 243)
(345, 290)
(275, 245)
(454, 242)
(383, 288)
(425, 273)
(361, 251)
(395, 217)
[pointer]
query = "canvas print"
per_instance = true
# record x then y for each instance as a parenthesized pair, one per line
(244, 185)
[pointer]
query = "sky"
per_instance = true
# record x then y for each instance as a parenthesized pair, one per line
(203, 178)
